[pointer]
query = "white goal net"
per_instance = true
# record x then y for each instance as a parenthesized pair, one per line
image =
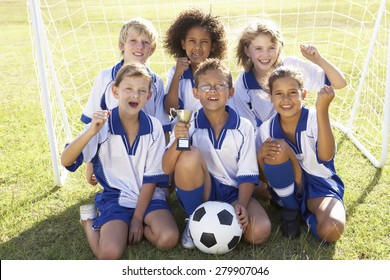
(75, 40)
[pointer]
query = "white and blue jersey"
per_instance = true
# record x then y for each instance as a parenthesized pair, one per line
(101, 97)
(122, 168)
(231, 159)
(319, 177)
(185, 93)
(252, 102)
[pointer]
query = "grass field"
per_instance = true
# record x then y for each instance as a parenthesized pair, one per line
(39, 220)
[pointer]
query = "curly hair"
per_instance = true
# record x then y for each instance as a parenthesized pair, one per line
(188, 19)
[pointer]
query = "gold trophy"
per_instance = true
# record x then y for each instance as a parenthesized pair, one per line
(183, 116)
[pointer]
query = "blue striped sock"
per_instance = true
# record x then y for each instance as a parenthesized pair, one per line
(281, 180)
(190, 200)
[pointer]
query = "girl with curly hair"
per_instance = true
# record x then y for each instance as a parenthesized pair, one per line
(193, 37)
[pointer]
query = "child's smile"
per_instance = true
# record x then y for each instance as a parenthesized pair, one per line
(197, 44)
(263, 52)
(287, 97)
(213, 91)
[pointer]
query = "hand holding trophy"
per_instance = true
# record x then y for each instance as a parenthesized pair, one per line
(183, 116)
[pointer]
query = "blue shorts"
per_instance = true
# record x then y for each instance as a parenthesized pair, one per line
(320, 187)
(109, 209)
(221, 192)
(314, 187)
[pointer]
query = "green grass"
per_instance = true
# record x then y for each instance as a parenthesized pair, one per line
(40, 221)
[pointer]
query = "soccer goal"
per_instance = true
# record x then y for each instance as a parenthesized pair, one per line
(75, 40)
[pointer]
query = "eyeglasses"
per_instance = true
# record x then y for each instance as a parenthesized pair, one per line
(208, 88)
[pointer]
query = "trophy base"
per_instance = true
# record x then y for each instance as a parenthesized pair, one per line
(183, 144)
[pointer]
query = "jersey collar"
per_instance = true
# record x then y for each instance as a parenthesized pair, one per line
(119, 65)
(277, 131)
(115, 125)
(249, 81)
(233, 121)
(116, 69)
(188, 76)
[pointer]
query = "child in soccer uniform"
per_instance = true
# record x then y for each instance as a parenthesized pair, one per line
(297, 157)
(194, 36)
(221, 164)
(125, 146)
(259, 53)
(137, 42)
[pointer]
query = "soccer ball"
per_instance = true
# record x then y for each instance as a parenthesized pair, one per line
(214, 227)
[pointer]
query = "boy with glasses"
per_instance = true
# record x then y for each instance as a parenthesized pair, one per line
(221, 164)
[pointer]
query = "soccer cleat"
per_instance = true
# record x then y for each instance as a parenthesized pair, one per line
(290, 223)
(274, 204)
(186, 239)
(88, 212)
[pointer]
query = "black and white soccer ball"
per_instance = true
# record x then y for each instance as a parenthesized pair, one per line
(214, 227)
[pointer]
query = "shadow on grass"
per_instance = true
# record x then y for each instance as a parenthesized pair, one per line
(57, 238)
(366, 190)
(61, 238)
(343, 138)
(29, 200)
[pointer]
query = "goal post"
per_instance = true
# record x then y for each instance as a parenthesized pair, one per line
(348, 128)
(74, 40)
(44, 63)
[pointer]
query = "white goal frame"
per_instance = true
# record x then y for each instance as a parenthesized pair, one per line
(348, 129)
(46, 68)
(51, 89)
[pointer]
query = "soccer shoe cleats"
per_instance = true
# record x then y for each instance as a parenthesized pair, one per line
(186, 239)
(290, 223)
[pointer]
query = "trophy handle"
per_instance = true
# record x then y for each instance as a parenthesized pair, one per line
(170, 112)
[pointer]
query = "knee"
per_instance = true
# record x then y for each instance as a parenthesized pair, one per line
(168, 239)
(189, 170)
(188, 160)
(258, 232)
(330, 230)
(110, 253)
(282, 156)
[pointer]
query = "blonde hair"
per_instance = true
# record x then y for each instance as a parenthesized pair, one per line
(250, 33)
(139, 26)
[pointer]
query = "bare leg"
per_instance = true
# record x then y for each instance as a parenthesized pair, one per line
(330, 215)
(191, 172)
(110, 241)
(259, 227)
(161, 229)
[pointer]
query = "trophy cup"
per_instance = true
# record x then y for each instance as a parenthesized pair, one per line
(183, 116)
